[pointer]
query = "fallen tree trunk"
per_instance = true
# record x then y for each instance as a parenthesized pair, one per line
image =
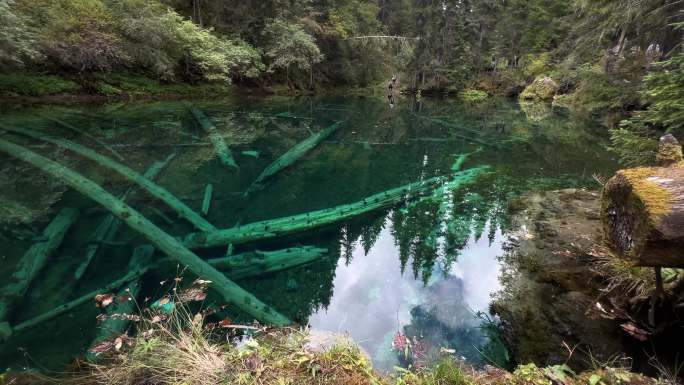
(292, 224)
(222, 150)
(81, 132)
(116, 322)
(34, 260)
(7, 331)
(107, 229)
(230, 291)
(206, 201)
(293, 155)
(643, 215)
(154, 189)
(255, 263)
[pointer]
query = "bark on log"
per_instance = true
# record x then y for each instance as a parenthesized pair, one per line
(113, 326)
(643, 215)
(34, 259)
(107, 229)
(230, 291)
(255, 263)
(152, 188)
(222, 150)
(297, 223)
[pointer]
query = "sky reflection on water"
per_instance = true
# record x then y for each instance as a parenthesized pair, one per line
(373, 298)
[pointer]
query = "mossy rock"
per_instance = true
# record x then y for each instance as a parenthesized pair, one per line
(542, 88)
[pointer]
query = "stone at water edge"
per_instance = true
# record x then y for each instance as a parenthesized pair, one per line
(669, 151)
(542, 88)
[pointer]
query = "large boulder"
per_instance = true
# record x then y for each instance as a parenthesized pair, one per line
(542, 88)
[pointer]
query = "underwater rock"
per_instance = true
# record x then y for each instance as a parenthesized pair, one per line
(548, 283)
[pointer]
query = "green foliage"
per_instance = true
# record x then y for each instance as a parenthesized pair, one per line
(665, 92)
(474, 96)
(634, 143)
(289, 45)
(16, 39)
(34, 84)
(81, 35)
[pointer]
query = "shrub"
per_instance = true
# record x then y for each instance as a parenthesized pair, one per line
(81, 35)
(161, 40)
(473, 95)
(17, 41)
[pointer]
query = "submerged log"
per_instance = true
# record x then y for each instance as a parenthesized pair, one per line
(222, 150)
(643, 215)
(255, 263)
(293, 155)
(7, 331)
(81, 132)
(34, 259)
(107, 229)
(126, 301)
(228, 289)
(152, 188)
(297, 223)
(206, 201)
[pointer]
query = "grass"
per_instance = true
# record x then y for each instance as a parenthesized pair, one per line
(113, 85)
(35, 84)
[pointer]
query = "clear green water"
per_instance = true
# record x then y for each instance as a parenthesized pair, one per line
(416, 268)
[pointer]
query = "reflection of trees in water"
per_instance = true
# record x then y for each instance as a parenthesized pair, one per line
(437, 229)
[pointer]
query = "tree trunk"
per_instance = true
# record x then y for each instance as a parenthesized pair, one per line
(169, 245)
(35, 259)
(107, 229)
(255, 263)
(152, 188)
(292, 155)
(643, 215)
(222, 150)
(314, 219)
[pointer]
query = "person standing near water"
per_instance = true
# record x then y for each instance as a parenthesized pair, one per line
(390, 90)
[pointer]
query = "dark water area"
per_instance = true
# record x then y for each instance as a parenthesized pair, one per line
(427, 269)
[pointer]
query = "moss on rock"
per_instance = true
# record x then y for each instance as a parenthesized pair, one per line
(542, 88)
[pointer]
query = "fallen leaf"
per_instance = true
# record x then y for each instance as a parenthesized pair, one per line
(104, 300)
(102, 347)
(118, 343)
(635, 331)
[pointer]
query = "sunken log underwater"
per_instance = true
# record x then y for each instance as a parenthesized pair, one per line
(643, 210)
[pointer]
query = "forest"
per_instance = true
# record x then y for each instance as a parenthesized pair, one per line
(620, 59)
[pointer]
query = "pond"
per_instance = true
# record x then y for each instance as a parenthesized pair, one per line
(420, 271)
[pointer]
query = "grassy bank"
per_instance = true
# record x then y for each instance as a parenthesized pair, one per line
(165, 356)
(175, 346)
(44, 87)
